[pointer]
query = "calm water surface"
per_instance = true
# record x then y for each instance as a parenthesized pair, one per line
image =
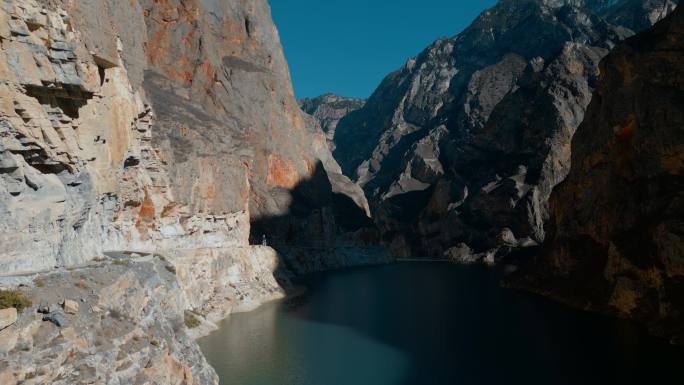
(431, 323)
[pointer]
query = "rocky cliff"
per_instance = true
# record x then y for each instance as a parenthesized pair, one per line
(146, 126)
(616, 237)
(328, 109)
(168, 129)
(459, 150)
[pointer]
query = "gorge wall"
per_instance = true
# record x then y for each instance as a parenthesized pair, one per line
(472, 152)
(142, 145)
(616, 237)
(145, 127)
(458, 151)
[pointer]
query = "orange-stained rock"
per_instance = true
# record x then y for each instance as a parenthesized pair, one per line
(281, 173)
(616, 239)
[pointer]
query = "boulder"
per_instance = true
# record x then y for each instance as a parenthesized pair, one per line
(56, 316)
(461, 254)
(70, 306)
(7, 317)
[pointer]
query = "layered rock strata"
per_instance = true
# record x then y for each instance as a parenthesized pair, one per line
(123, 130)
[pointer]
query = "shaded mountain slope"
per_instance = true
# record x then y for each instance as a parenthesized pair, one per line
(459, 150)
(616, 235)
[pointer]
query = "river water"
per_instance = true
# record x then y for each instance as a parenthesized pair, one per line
(431, 323)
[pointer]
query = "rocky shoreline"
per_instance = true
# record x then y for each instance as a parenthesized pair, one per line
(137, 316)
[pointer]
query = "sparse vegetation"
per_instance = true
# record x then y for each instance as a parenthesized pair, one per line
(39, 282)
(15, 299)
(154, 343)
(121, 262)
(191, 320)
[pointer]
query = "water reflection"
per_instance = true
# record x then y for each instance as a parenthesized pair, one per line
(426, 324)
(271, 346)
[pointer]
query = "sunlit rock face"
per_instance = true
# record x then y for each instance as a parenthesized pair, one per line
(328, 109)
(128, 328)
(615, 239)
(459, 150)
(146, 126)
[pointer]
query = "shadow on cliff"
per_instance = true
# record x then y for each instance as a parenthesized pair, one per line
(317, 220)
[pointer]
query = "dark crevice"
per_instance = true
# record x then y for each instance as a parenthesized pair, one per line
(101, 71)
(56, 168)
(102, 66)
(68, 98)
(131, 161)
(32, 185)
(248, 27)
(32, 26)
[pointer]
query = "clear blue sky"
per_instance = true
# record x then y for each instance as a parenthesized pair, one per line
(349, 46)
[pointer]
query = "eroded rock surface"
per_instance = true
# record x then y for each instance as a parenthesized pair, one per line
(616, 236)
(146, 126)
(160, 128)
(459, 150)
(128, 329)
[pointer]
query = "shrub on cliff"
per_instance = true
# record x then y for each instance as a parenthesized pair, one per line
(15, 299)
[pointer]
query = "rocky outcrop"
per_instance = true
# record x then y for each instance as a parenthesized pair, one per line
(125, 318)
(459, 150)
(328, 109)
(616, 237)
(128, 329)
(218, 282)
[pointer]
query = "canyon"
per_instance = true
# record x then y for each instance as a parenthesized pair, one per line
(464, 153)
(158, 174)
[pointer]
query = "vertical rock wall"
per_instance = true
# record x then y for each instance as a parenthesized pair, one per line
(616, 240)
(145, 126)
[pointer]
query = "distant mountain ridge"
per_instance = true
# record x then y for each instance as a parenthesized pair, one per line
(459, 150)
(328, 109)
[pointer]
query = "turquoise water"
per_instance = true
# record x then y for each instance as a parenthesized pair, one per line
(431, 323)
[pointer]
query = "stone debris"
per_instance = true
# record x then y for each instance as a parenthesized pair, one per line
(56, 316)
(70, 306)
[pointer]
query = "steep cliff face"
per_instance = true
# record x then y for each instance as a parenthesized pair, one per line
(146, 126)
(328, 109)
(459, 150)
(616, 236)
(166, 128)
